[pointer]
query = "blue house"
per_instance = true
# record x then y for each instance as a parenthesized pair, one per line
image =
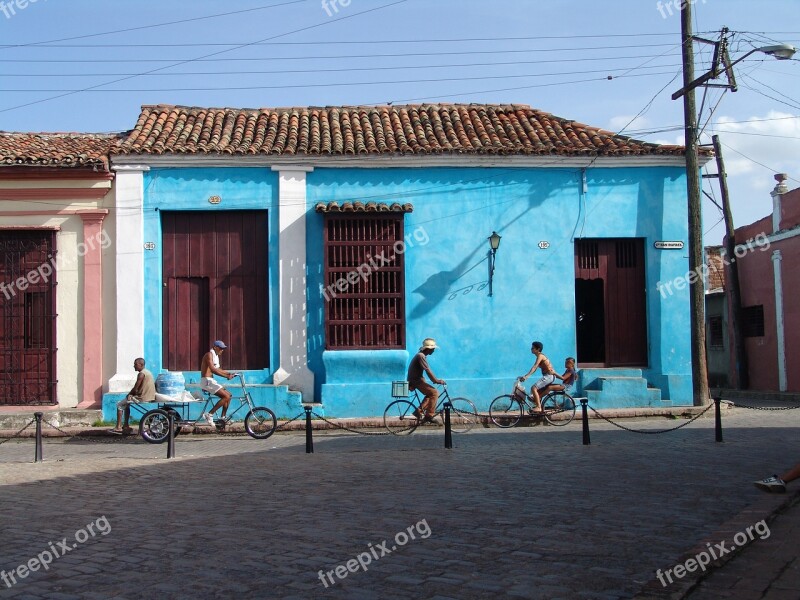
(324, 244)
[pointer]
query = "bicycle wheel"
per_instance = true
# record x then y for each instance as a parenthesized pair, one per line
(559, 408)
(260, 423)
(399, 419)
(154, 426)
(505, 411)
(463, 415)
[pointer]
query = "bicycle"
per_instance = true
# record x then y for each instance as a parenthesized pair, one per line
(259, 423)
(558, 407)
(399, 419)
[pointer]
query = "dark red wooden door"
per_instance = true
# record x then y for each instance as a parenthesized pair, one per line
(215, 273)
(27, 317)
(610, 302)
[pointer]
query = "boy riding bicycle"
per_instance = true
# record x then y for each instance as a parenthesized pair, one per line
(548, 375)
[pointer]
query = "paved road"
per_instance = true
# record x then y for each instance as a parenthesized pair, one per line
(524, 513)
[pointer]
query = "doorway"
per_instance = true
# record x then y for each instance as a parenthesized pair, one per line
(610, 302)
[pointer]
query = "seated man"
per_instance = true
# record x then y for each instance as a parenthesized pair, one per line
(144, 390)
(209, 366)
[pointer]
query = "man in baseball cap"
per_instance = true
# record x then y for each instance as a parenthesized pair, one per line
(209, 366)
(416, 381)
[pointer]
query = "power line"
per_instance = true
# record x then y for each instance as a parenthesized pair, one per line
(343, 84)
(139, 28)
(336, 56)
(298, 30)
(340, 70)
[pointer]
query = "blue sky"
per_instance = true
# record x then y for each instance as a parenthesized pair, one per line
(88, 65)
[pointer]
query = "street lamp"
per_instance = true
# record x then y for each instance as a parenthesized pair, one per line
(779, 51)
(494, 244)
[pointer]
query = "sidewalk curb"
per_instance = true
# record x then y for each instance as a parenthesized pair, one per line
(763, 509)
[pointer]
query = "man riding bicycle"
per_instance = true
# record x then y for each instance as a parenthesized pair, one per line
(416, 381)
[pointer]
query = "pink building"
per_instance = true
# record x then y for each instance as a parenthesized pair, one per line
(768, 255)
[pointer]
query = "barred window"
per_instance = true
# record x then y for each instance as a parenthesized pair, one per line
(364, 291)
(753, 321)
(716, 339)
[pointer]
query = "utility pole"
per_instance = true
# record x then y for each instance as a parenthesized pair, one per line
(732, 279)
(696, 284)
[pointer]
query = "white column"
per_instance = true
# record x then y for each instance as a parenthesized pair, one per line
(776, 267)
(292, 308)
(130, 274)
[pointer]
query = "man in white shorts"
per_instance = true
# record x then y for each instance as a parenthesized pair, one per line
(209, 367)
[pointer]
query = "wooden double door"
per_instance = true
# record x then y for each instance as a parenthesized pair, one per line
(610, 302)
(215, 273)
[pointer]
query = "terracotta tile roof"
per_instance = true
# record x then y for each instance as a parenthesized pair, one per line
(429, 129)
(55, 149)
(348, 207)
(716, 268)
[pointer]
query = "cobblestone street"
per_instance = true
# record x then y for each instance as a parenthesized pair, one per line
(527, 513)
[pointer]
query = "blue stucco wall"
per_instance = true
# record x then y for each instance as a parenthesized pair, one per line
(485, 341)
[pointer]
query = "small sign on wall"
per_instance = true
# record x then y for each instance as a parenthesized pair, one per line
(149, 245)
(214, 200)
(544, 245)
(668, 245)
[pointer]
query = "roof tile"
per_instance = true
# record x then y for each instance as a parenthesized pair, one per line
(69, 150)
(472, 129)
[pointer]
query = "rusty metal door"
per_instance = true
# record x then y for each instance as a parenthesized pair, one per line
(27, 317)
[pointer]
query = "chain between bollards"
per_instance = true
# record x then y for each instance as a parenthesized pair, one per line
(309, 434)
(38, 452)
(717, 420)
(585, 418)
(448, 432)
(171, 435)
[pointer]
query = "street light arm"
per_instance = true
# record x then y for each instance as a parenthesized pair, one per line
(712, 74)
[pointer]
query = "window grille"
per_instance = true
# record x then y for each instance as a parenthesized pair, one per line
(364, 285)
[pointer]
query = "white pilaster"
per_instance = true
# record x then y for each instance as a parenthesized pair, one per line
(130, 274)
(777, 258)
(292, 308)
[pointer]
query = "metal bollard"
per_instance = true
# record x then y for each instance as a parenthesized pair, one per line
(584, 403)
(309, 435)
(717, 420)
(171, 435)
(448, 432)
(37, 457)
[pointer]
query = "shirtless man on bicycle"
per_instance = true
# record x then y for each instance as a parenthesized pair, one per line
(548, 374)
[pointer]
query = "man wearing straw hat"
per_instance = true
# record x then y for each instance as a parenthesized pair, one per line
(416, 381)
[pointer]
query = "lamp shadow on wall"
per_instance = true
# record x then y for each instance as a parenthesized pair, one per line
(438, 286)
